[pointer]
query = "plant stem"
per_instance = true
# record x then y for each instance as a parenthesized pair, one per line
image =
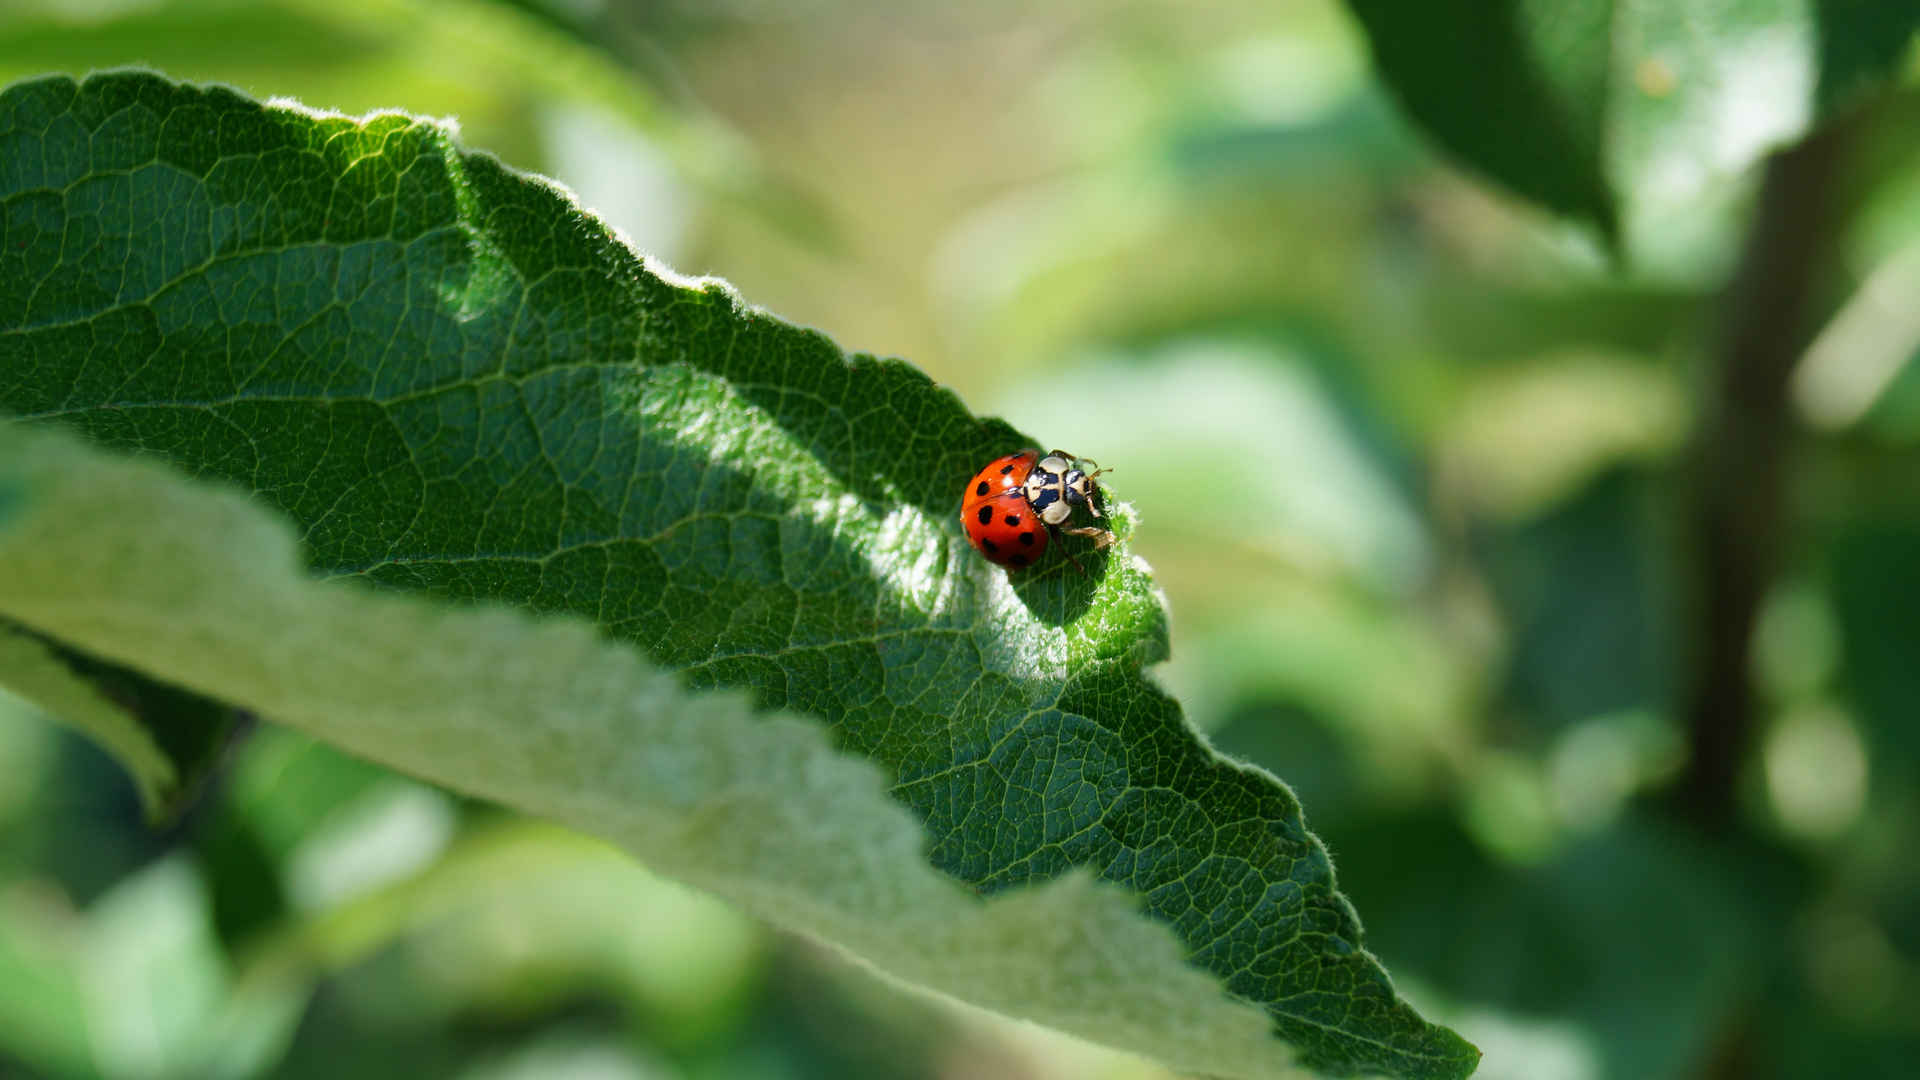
(1740, 456)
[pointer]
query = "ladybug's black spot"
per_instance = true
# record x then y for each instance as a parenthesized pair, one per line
(1027, 538)
(988, 546)
(982, 489)
(1017, 560)
(1013, 521)
(986, 515)
(1005, 469)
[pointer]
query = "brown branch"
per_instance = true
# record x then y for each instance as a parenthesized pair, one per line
(1740, 455)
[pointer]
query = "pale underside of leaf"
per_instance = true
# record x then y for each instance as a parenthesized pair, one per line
(547, 716)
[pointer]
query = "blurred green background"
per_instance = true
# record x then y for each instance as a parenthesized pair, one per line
(1413, 466)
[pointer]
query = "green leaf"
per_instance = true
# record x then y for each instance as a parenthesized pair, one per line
(1875, 583)
(1564, 938)
(456, 384)
(167, 738)
(1602, 109)
(42, 996)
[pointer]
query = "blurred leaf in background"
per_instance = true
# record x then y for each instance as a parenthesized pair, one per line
(1412, 465)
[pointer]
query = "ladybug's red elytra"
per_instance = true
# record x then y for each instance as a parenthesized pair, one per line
(1016, 504)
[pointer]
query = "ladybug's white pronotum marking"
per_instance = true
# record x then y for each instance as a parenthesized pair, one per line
(1055, 487)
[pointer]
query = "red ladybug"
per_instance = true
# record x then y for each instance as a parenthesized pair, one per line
(1015, 504)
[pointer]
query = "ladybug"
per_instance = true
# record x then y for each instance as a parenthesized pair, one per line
(1015, 505)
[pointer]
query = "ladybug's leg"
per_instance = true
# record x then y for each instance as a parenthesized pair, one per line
(1097, 473)
(1063, 550)
(1102, 539)
(1074, 561)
